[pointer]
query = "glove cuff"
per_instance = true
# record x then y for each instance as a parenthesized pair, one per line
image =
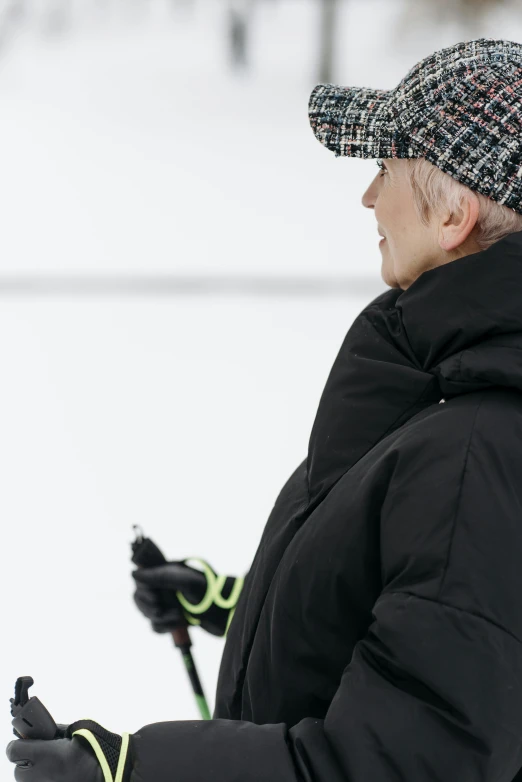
(112, 750)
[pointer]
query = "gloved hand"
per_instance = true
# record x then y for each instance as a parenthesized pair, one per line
(81, 752)
(173, 594)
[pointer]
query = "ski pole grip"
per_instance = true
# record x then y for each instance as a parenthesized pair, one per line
(145, 553)
(31, 720)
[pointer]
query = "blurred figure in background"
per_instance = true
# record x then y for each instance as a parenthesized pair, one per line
(377, 633)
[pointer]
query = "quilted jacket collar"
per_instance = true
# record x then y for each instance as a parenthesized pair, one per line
(456, 329)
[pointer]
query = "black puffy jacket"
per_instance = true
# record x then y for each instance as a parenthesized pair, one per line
(378, 637)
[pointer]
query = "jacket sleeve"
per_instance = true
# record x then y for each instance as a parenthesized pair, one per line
(433, 692)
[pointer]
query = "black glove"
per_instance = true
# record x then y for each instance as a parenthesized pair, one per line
(81, 752)
(173, 594)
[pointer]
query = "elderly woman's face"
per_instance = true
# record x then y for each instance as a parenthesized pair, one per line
(408, 247)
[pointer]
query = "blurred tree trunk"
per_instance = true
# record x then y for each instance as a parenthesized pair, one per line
(471, 10)
(183, 6)
(239, 26)
(11, 17)
(16, 10)
(58, 19)
(470, 15)
(327, 36)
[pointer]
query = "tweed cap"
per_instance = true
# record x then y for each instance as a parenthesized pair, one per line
(460, 108)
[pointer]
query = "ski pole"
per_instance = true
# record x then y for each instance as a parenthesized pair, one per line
(145, 553)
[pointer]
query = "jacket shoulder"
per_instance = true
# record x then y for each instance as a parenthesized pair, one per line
(451, 522)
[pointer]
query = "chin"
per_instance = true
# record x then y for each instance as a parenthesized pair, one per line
(388, 277)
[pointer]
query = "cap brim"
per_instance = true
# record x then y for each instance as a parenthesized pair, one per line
(352, 121)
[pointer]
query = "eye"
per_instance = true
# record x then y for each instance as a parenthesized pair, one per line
(382, 167)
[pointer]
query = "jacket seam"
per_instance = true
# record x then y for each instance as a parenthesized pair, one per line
(454, 608)
(457, 507)
(471, 350)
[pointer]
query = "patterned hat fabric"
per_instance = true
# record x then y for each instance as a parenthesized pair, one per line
(460, 108)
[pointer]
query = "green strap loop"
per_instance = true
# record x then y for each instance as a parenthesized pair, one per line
(213, 594)
(191, 619)
(231, 600)
(123, 757)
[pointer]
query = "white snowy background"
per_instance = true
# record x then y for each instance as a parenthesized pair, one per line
(129, 147)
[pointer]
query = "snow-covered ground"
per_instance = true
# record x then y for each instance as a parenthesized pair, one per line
(127, 146)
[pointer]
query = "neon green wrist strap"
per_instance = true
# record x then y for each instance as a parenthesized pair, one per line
(102, 757)
(213, 594)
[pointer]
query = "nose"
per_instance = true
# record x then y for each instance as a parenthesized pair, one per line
(370, 196)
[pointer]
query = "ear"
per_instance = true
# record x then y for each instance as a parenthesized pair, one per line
(454, 229)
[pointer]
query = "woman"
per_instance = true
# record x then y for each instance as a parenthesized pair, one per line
(378, 633)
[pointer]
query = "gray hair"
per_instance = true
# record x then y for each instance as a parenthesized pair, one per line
(434, 190)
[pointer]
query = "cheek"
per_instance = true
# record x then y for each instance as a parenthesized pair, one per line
(392, 212)
(379, 211)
